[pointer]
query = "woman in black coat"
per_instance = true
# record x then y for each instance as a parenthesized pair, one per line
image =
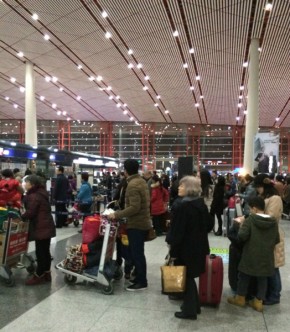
(217, 204)
(188, 240)
(41, 227)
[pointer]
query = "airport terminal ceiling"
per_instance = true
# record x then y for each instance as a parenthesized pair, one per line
(164, 61)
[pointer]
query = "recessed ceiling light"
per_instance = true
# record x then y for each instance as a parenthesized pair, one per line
(104, 14)
(146, 78)
(191, 50)
(130, 51)
(15, 106)
(109, 88)
(277, 119)
(7, 98)
(175, 33)
(64, 113)
(125, 112)
(197, 77)
(139, 65)
(79, 98)
(239, 104)
(53, 105)
(158, 97)
(99, 78)
(20, 54)
(35, 16)
(131, 119)
(54, 79)
(117, 97)
(125, 105)
(185, 65)
(156, 105)
(118, 105)
(13, 79)
(245, 112)
(47, 78)
(237, 118)
(58, 112)
(242, 87)
(240, 97)
(191, 88)
(201, 97)
(166, 111)
(108, 34)
(268, 6)
(68, 119)
(61, 89)
(111, 97)
(145, 88)
(80, 66)
(260, 49)
(46, 37)
(196, 104)
(42, 98)
(22, 89)
(130, 65)
(245, 64)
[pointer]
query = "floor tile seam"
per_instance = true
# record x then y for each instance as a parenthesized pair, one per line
(139, 308)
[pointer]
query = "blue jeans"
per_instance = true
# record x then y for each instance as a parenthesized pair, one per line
(136, 239)
(274, 286)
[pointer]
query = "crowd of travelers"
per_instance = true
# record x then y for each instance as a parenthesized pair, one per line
(176, 208)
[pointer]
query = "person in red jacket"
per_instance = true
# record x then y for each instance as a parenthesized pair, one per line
(41, 227)
(159, 201)
(10, 190)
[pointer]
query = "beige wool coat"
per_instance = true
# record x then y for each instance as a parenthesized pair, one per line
(274, 208)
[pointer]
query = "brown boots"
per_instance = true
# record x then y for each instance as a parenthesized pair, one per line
(237, 300)
(256, 304)
(241, 302)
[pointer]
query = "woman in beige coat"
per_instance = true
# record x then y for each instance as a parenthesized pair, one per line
(274, 208)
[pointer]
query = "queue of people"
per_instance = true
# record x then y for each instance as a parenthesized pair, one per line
(144, 201)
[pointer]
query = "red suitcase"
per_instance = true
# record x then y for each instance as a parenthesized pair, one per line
(211, 281)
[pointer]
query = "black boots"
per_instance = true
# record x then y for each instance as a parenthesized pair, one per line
(219, 232)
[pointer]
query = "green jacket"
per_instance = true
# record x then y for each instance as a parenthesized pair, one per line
(137, 204)
(260, 235)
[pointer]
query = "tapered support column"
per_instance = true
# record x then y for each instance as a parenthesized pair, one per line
(252, 118)
(30, 106)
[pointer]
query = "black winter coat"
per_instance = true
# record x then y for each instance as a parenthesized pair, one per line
(61, 188)
(38, 213)
(188, 235)
(217, 205)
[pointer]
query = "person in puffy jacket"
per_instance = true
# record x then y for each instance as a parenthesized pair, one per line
(159, 201)
(41, 227)
(10, 190)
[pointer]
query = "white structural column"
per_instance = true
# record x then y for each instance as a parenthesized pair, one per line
(252, 118)
(30, 106)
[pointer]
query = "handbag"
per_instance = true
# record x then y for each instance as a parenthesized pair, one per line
(151, 235)
(173, 279)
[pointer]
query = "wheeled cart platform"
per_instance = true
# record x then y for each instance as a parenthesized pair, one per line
(13, 248)
(107, 271)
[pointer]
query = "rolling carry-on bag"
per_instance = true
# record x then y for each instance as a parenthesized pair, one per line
(229, 215)
(211, 281)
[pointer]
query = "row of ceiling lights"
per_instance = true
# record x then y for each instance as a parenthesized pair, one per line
(130, 66)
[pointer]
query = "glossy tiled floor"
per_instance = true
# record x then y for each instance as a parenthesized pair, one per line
(82, 307)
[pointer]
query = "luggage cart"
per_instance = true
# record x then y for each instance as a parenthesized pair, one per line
(109, 231)
(13, 248)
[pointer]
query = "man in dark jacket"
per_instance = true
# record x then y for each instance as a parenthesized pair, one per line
(60, 197)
